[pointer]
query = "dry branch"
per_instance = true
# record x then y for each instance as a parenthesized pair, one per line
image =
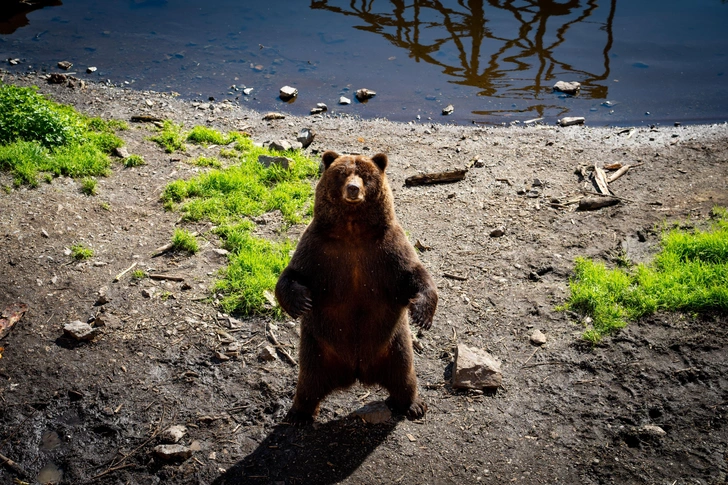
(436, 178)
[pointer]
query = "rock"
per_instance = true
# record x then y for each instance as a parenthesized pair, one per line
(90, 69)
(172, 452)
(305, 137)
(247, 91)
(287, 93)
(173, 434)
(121, 152)
(279, 145)
(320, 108)
(267, 161)
(44, 233)
(57, 78)
(538, 337)
(475, 369)
(497, 232)
(571, 120)
(273, 116)
(365, 94)
(148, 292)
(448, 110)
(652, 430)
(107, 320)
(374, 413)
(571, 88)
(268, 354)
(14, 62)
(344, 100)
(80, 330)
(65, 65)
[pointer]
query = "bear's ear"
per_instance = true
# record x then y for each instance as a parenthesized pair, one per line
(329, 157)
(381, 160)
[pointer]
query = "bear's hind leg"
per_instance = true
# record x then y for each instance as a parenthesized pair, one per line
(397, 376)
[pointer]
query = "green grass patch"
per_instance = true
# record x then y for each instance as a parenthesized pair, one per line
(185, 241)
(134, 161)
(89, 186)
(229, 197)
(203, 135)
(689, 274)
(170, 137)
(206, 162)
(38, 135)
(139, 274)
(80, 252)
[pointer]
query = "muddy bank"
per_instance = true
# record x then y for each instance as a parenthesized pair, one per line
(566, 412)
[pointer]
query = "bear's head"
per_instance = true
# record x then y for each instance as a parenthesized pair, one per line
(353, 185)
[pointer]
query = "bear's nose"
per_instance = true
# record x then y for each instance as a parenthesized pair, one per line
(352, 191)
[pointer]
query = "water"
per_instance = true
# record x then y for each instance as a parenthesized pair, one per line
(495, 61)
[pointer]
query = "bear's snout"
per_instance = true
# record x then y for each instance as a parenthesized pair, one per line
(353, 191)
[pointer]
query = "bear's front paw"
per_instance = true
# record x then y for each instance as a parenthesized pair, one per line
(420, 316)
(298, 418)
(300, 301)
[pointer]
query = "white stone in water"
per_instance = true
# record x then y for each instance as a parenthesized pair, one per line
(475, 369)
(567, 87)
(448, 109)
(288, 92)
(344, 100)
(571, 120)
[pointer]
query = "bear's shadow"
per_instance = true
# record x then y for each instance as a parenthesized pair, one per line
(322, 453)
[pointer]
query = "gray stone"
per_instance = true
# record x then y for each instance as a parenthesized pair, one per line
(174, 433)
(247, 91)
(280, 145)
(14, 62)
(652, 430)
(567, 87)
(65, 65)
(121, 152)
(365, 94)
(448, 109)
(80, 330)
(475, 369)
(148, 292)
(538, 337)
(306, 136)
(497, 232)
(267, 161)
(287, 93)
(273, 116)
(374, 413)
(571, 120)
(344, 100)
(90, 69)
(172, 452)
(268, 354)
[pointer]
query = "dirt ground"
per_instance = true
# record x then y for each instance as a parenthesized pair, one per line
(568, 413)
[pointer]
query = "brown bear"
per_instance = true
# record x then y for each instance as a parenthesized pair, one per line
(352, 278)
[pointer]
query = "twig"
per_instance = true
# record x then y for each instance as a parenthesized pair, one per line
(605, 195)
(455, 277)
(19, 470)
(532, 354)
(278, 345)
(118, 277)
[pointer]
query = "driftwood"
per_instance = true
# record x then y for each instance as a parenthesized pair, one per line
(436, 178)
(118, 277)
(594, 203)
(145, 119)
(618, 173)
(166, 277)
(600, 177)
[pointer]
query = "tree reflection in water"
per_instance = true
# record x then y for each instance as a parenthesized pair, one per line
(505, 48)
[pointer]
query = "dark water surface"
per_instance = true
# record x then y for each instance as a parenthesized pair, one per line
(495, 61)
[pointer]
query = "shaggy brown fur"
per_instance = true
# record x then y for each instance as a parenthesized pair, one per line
(353, 278)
